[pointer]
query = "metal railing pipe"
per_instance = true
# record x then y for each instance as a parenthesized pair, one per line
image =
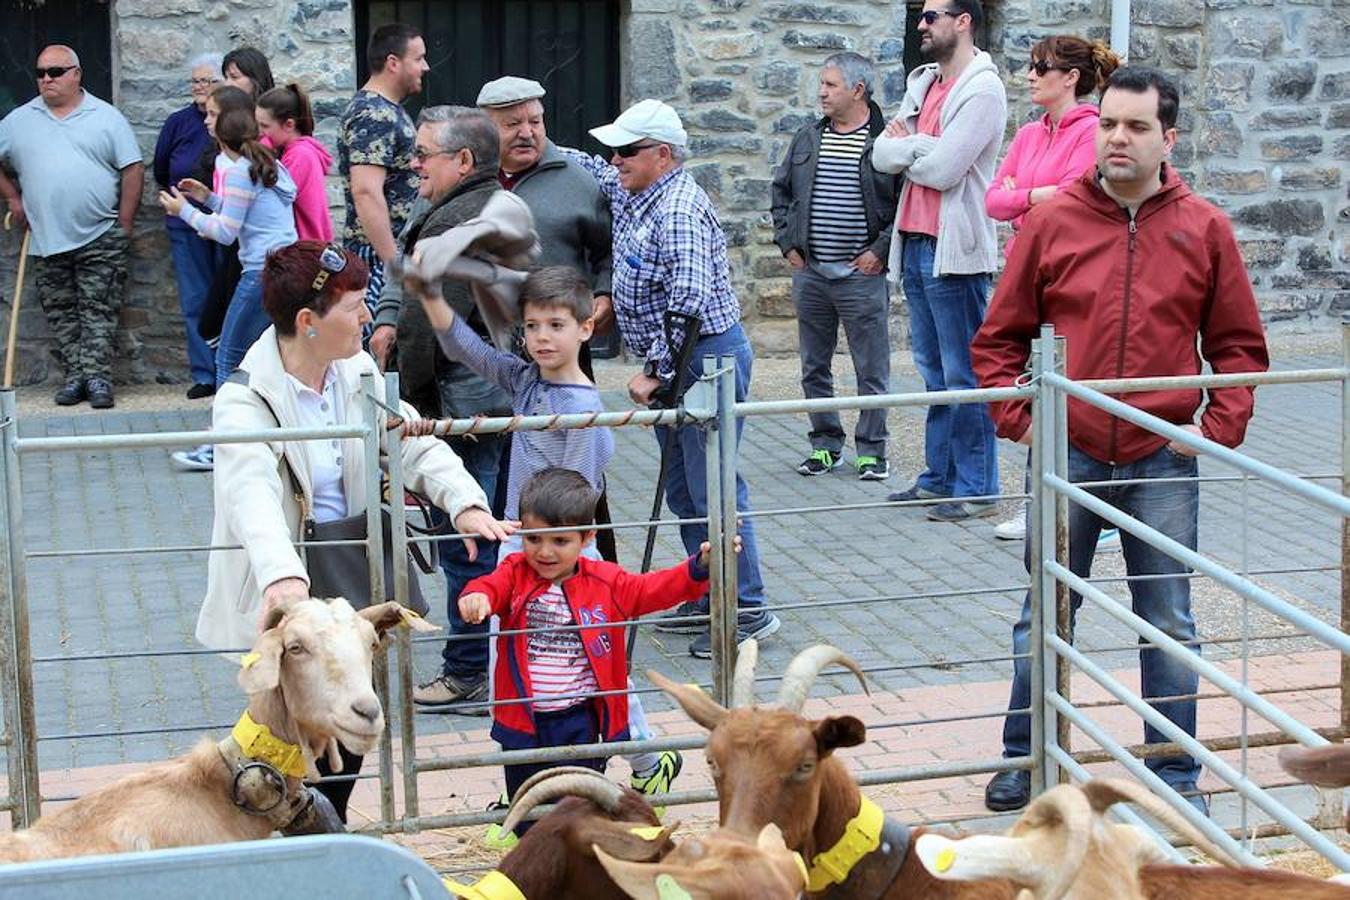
(1313, 493)
(1325, 633)
(747, 408)
(1041, 518)
(87, 442)
(1232, 379)
(1244, 786)
(1191, 660)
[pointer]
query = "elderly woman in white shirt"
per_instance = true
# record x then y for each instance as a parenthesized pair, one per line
(305, 371)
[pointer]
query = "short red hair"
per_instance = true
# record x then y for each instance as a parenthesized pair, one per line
(288, 276)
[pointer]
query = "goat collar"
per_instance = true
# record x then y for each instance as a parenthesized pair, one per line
(492, 886)
(869, 842)
(257, 742)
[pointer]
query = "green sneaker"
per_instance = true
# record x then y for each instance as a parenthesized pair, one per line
(495, 838)
(872, 468)
(658, 780)
(819, 462)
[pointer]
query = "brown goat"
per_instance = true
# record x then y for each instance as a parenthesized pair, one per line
(715, 866)
(308, 682)
(556, 858)
(774, 766)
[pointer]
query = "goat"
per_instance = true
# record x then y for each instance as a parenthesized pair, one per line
(1327, 767)
(557, 858)
(308, 682)
(774, 766)
(716, 865)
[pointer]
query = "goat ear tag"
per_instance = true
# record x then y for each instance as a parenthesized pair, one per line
(647, 832)
(667, 888)
(248, 660)
(945, 859)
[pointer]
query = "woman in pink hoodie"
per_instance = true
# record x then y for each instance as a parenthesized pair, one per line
(285, 119)
(1053, 151)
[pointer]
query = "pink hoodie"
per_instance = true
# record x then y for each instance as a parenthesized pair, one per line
(1038, 158)
(308, 161)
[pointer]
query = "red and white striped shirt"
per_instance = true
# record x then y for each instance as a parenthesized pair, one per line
(558, 664)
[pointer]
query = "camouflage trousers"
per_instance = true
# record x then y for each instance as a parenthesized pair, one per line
(82, 291)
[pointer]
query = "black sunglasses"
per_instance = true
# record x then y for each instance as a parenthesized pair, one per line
(53, 72)
(628, 151)
(1041, 67)
(331, 261)
(932, 15)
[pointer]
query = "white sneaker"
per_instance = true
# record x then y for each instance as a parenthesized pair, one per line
(1014, 529)
(198, 459)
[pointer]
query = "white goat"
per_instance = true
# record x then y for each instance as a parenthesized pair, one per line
(1062, 848)
(308, 682)
(716, 865)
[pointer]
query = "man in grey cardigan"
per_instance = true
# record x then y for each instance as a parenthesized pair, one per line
(945, 141)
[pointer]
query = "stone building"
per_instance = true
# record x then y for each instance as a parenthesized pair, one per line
(1265, 126)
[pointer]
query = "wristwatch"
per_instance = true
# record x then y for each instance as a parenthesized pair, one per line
(652, 369)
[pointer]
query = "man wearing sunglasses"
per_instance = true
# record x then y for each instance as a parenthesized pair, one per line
(946, 141)
(80, 176)
(670, 254)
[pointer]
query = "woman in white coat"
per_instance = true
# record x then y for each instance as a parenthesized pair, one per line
(305, 371)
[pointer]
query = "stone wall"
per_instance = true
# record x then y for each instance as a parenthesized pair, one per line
(1265, 126)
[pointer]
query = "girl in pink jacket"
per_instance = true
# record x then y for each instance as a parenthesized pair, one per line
(1057, 148)
(285, 119)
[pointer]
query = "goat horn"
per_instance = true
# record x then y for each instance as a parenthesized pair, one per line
(591, 785)
(803, 670)
(546, 774)
(743, 685)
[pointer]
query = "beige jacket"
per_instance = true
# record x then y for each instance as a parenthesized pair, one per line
(254, 503)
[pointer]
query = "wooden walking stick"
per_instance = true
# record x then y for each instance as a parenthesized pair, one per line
(14, 307)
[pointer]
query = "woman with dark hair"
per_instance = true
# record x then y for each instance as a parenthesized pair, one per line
(247, 69)
(254, 206)
(285, 119)
(305, 371)
(1050, 153)
(182, 141)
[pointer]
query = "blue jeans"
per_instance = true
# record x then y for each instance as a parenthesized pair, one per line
(944, 314)
(687, 473)
(1172, 508)
(468, 660)
(245, 321)
(194, 265)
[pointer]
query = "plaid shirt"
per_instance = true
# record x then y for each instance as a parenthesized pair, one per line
(669, 253)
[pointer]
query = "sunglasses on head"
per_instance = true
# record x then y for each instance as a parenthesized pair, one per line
(331, 261)
(932, 15)
(628, 151)
(1041, 67)
(53, 71)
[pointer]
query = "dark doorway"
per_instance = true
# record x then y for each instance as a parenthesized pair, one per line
(86, 26)
(571, 47)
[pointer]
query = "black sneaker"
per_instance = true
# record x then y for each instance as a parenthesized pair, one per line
(960, 510)
(872, 468)
(912, 493)
(71, 393)
(1008, 791)
(757, 624)
(100, 393)
(819, 462)
(671, 622)
(200, 390)
(444, 690)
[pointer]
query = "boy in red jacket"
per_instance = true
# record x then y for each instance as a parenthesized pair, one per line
(550, 585)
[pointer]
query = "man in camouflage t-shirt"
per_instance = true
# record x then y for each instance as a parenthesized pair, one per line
(375, 149)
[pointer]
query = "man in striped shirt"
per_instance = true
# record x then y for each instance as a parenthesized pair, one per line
(832, 217)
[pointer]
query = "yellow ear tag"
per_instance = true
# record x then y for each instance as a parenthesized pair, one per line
(407, 615)
(248, 659)
(945, 859)
(647, 832)
(667, 888)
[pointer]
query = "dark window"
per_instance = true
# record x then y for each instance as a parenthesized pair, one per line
(569, 46)
(80, 24)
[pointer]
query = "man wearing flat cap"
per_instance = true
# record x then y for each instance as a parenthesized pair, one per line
(671, 254)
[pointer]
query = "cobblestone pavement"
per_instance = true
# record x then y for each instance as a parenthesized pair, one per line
(956, 588)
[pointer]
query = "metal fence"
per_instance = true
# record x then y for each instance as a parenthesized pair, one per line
(711, 406)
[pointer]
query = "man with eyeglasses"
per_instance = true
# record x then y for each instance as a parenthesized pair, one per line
(670, 254)
(1143, 278)
(945, 141)
(80, 176)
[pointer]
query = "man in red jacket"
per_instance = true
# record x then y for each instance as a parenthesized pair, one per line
(1131, 267)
